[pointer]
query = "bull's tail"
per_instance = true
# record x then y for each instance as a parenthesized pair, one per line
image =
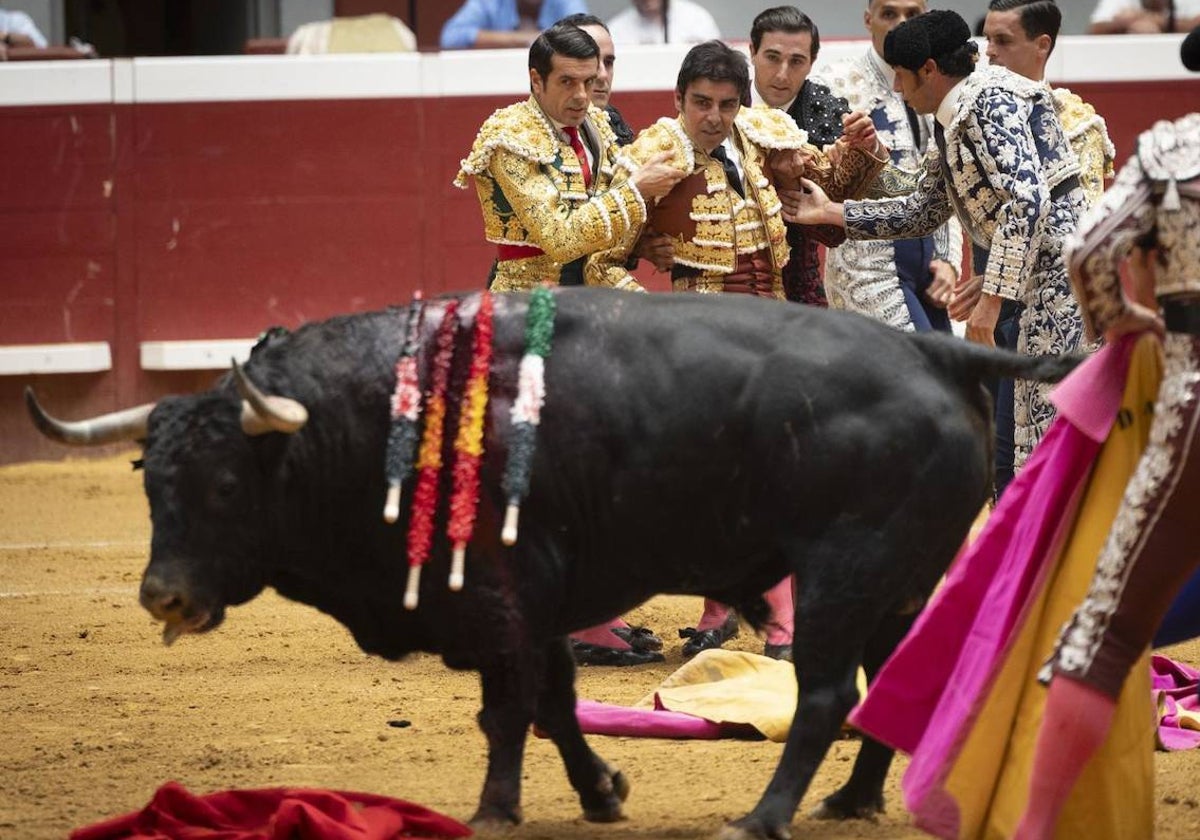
(977, 362)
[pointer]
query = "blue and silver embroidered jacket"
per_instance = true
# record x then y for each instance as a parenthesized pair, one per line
(1008, 174)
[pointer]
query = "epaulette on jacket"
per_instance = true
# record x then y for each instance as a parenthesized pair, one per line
(770, 128)
(524, 130)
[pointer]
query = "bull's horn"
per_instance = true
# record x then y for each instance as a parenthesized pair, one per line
(129, 424)
(263, 413)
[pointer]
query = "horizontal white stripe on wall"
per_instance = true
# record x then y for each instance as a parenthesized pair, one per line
(1077, 58)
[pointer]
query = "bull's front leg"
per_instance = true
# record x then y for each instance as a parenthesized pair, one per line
(509, 699)
(601, 786)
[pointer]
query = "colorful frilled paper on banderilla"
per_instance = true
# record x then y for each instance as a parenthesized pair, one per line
(527, 408)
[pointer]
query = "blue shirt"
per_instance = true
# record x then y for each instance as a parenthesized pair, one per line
(461, 30)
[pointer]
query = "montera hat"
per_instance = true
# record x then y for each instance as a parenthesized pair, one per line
(933, 35)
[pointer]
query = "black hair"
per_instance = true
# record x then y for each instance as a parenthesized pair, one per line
(717, 62)
(941, 35)
(784, 19)
(563, 39)
(582, 19)
(1038, 17)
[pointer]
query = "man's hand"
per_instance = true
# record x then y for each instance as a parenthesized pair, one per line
(981, 326)
(655, 248)
(656, 177)
(941, 285)
(859, 132)
(1137, 318)
(810, 206)
(966, 294)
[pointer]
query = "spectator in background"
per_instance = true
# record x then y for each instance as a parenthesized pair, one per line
(663, 22)
(492, 24)
(17, 29)
(1130, 17)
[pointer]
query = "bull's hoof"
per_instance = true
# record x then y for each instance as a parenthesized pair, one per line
(493, 823)
(750, 828)
(608, 808)
(843, 806)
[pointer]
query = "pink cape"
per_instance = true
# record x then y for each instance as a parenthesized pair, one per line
(273, 814)
(927, 693)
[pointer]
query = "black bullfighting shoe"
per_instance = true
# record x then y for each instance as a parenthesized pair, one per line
(698, 640)
(638, 638)
(588, 654)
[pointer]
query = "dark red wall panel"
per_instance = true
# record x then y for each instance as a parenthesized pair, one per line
(143, 222)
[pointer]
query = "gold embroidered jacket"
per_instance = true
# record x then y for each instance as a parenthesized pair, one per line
(708, 222)
(1088, 135)
(531, 191)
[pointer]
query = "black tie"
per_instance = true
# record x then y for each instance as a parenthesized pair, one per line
(731, 173)
(914, 122)
(939, 135)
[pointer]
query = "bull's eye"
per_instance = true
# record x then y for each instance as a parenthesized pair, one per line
(224, 489)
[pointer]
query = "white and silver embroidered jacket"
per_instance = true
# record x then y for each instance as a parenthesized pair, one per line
(861, 274)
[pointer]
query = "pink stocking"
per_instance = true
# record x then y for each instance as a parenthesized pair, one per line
(603, 635)
(779, 599)
(1075, 723)
(714, 615)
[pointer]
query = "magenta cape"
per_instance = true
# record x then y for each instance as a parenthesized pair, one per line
(927, 694)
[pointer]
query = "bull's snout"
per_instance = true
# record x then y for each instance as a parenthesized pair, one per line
(170, 603)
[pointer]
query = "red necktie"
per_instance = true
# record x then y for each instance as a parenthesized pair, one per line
(577, 145)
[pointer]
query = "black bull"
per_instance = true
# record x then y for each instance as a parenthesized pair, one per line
(689, 444)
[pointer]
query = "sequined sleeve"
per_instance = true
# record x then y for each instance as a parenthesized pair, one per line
(851, 176)
(1001, 131)
(1094, 150)
(916, 214)
(948, 243)
(563, 233)
(1100, 244)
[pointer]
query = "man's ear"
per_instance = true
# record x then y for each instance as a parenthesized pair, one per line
(1044, 45)
(678, 101)
(535, 80)
(930, 66)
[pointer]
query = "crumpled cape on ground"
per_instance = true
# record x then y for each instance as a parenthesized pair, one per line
(273, 814)
(1174, 685)
(717, 694)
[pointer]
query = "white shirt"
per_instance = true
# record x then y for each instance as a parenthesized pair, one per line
(1108, 9)
(19, 23)
(949, 104)
(756, 99)
(687, 23)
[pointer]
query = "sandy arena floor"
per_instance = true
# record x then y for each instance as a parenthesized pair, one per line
(97, 713)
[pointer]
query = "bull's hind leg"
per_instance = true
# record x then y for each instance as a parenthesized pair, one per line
(862, 795)
(509, 698)
(602, 788)
(838, 605)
